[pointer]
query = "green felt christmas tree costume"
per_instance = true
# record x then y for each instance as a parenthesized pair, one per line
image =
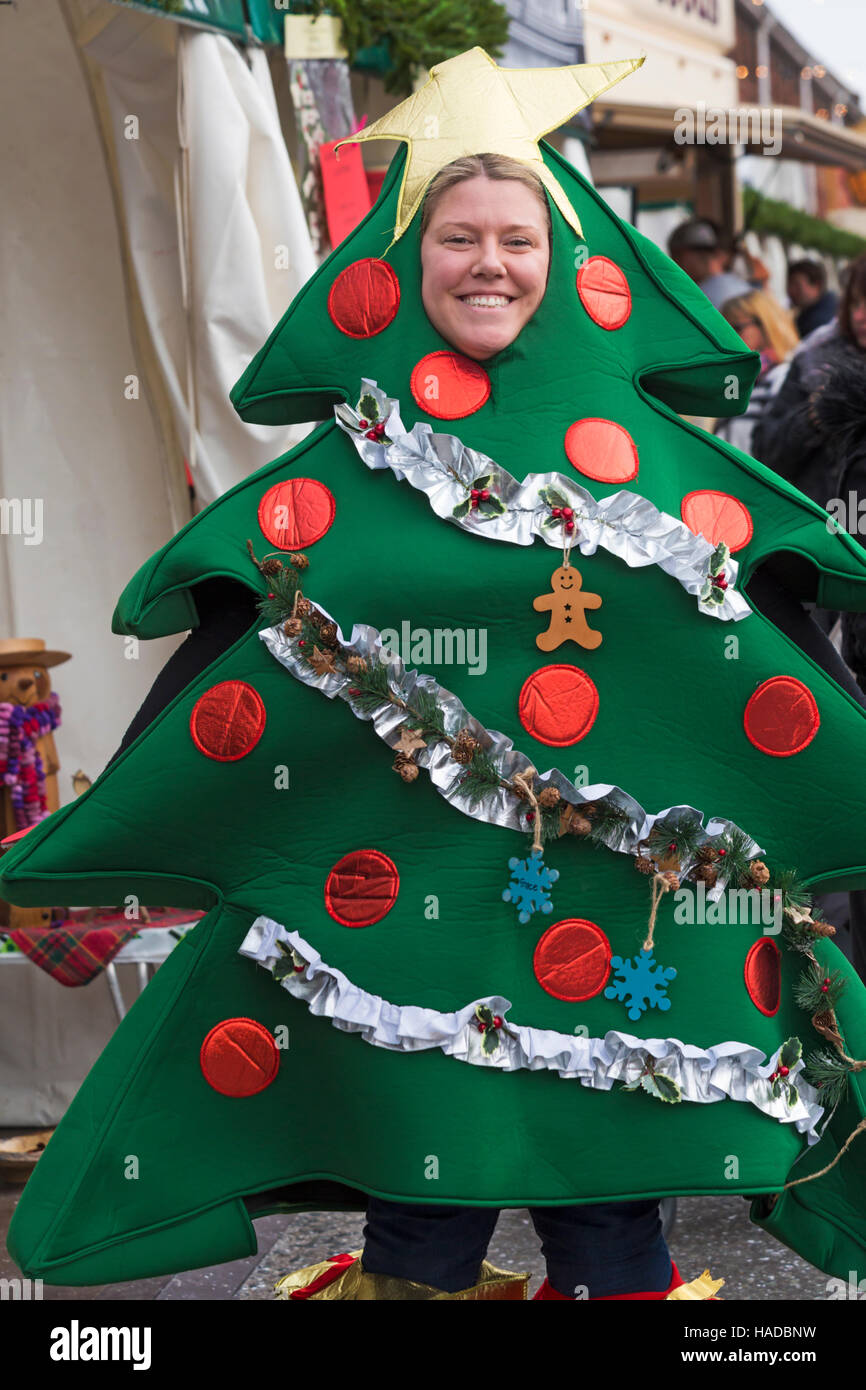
(362, 1009)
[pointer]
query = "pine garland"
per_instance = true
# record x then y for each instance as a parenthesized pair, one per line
(417, 33)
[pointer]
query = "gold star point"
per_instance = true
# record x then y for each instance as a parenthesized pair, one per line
(470, 105)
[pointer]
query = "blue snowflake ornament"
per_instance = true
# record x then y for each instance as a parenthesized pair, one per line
(640, 983)
(530, 881)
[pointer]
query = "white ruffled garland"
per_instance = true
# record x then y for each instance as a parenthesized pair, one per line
(626, 524)
(730, 1070)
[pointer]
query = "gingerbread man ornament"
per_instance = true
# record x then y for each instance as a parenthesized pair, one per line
(567, 606)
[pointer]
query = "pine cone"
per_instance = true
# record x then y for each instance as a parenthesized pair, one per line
(671, 879)
(579, 825)
(644, 866)
(589, 808)
(271, 567)
(328, 633)
(707, 854)
(407, 769)
(299, 561)
(293, 627)
(465, 747)
(821, 928)
(705, 873)
(316, 616)
(356, 666)
(303, 607)
(549, 798)
(759, 872)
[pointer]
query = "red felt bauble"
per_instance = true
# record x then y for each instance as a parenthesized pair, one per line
(558, 705)
(364, 298)
(361, 888)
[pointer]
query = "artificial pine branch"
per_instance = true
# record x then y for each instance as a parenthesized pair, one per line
(480, 777)
(683, 834)
(828, 1073)
(607, 819)
(789, 884)
(426, 715)
(816, 992)
(734, 865)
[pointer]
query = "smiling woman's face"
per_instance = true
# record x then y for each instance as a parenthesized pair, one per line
(484, 259)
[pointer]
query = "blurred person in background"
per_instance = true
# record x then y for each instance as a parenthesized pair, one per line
(788, 436)
(768, 329)
(808, 293)
(698, 248)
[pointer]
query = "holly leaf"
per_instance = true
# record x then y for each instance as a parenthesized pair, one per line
(484, 1014)
(793, 1095)
(777, 1089)
(490, 1041)
(552, 497)
(661, 1086)
(462, 507)
(491, 506)
(706, 590)
(367, 408)
(632, 1085)
(719, 558)
(790, 1053)
(483, 481)
(283, 968)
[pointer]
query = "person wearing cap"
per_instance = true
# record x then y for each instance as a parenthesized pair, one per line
(697, 248)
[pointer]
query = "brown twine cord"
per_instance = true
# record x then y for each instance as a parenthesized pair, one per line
(660, 885)
(523, 779)
(812, 1176)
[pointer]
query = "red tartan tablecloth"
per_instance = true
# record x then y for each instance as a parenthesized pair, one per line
(76, 950)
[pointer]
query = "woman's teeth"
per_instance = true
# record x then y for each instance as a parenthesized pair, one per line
(487, 301)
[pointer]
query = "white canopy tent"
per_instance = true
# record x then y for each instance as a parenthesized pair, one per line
(153, 236)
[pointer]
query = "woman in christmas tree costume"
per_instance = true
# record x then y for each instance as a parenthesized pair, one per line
(482, 802)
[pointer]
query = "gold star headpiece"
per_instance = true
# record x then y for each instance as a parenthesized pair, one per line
(470, 105)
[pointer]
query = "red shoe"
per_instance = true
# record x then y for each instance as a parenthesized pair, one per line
(701, 1288)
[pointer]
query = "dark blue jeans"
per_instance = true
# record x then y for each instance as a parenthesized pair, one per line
(606, 1248)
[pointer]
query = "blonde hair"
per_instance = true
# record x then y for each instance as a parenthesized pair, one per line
(778, 326)
(490, 166)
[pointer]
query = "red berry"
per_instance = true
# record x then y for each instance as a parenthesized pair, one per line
(720, 581)
(722, 853)
(783, 1071)
(484, 494)
(475, 494)
(482, 1027)
(826, 979)
(530, 816)
(365, 424)
(569, 526)
(474, 503)
(371, 434)
(353, 691)
(302, 643)
(379, 428)
(271, 595)
(557, 511)
(497, 1021)
(824, 989)
(773, 1075)
(298, 969)
(567, 513)
(672, 845)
